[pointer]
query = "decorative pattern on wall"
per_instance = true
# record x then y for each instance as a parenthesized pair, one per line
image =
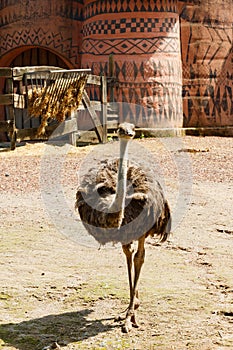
(24, 10)
(207, 57)
(143, 38)
(39, 37)
(209, 102)
(115, 6)
(154, 103)
(130, 25)
(151, 104)
(132, 46)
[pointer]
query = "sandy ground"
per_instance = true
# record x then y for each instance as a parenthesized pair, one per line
(59, 290)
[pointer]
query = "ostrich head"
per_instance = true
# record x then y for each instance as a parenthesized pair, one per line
(126, 131)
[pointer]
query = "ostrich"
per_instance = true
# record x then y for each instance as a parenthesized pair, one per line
(119, 202)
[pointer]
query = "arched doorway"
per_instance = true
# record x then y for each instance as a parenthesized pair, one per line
(37, 56)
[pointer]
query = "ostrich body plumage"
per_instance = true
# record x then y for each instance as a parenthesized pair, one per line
(146, 210)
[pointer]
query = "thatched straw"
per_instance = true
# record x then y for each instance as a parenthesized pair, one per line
(55, 101)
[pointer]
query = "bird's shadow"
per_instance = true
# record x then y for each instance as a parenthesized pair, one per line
(62, 328)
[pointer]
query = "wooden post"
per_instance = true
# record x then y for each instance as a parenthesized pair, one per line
(96, 121)
(111, 76)
(72, 135)
(10, 90)
(104, 107)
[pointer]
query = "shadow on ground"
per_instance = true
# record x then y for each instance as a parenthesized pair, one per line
(63, 329)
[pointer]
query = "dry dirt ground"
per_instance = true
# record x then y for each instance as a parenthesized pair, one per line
(59, 290)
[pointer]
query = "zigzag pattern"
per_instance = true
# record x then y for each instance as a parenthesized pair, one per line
(162, 108)
(115, 6)
(131, 71)
(216, 103)
(210, 51)
(146, 103)
(207, 66)
(130, 46)
(39, 37)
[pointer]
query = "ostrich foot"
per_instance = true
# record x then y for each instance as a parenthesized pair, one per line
(119, 318)
(134, 322)
(122, 317)
(130, 322)
(127, 326)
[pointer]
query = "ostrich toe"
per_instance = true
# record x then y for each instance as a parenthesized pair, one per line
(127, 326)
(134, 322)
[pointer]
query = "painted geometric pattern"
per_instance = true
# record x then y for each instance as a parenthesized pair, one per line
(115, 6)
(41, 38)
(132, 71)
(207, 67)
(24, 10)
(214, 97)
(131, 25)
(156, 104)
(130, 46)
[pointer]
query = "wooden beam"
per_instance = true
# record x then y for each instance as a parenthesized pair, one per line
(87, 138)
(104, 107)
(61, 70)
(94, 116)
(19, 101)
(6, 126)
(96, 105)
(66, 127)
(6, 72)
(31, 134)
(93, 79)
(18, 72)
(12, 133)
(51, 131)
(6, 99)
(9, 99)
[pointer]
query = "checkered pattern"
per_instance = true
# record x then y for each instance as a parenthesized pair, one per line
(168, 25)
(133, 25)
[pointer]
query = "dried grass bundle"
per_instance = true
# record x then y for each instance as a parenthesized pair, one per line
(55, 101)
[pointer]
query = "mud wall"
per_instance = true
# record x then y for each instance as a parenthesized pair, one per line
(53, 25)
(160, 50)
(207, 62)
(143, 39)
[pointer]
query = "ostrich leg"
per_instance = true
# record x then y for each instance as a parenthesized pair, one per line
(128, 250)
(138, 262)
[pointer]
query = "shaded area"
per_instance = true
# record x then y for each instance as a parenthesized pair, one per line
(62, 328)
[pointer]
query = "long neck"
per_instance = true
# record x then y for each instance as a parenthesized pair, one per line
(118, 204)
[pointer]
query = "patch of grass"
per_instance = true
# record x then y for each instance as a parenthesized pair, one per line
(103, 344)
(5, 296)
(94, 290)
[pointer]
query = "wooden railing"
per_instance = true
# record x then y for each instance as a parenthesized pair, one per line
(16, 98)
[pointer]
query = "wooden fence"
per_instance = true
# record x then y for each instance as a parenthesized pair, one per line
(16, 97)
